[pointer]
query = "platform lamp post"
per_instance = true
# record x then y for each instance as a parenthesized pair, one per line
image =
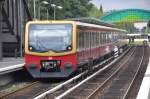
(55, 6)
(45, 3)
(34, 7)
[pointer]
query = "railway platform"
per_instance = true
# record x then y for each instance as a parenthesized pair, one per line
(144, 92)
(8, 65)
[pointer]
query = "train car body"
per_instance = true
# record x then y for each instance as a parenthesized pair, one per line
(56, 49)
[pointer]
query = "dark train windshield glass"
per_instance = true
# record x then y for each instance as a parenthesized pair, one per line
(46, 37)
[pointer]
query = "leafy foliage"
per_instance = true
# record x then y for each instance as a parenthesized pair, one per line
(95, 12)
(71, 8)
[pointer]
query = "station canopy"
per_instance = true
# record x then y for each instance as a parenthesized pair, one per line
(128, 15)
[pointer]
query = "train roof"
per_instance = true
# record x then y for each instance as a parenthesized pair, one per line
(88, 22)
(99, 26)
(92, 20)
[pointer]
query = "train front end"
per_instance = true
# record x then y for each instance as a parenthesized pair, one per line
(50, 49)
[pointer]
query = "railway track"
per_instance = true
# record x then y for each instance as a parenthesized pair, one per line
(133, 91)
(28, 91)
(57, 91)
(120, 85)
(113, 83)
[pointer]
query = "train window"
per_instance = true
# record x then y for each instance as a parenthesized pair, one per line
(94, 39)
(77, 36)
(110, 37)
(45, 37)
(97, 39)
(91, 39)
(101, 38)
(87, 40)
(84, 40)
(107, 37)
(80, 40)
(104, 38)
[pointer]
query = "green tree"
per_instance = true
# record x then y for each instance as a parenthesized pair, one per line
(95, 12)
(71, 8)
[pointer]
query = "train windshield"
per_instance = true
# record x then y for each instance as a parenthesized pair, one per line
(46, 37)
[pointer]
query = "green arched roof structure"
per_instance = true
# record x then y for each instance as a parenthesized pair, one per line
(127, 15)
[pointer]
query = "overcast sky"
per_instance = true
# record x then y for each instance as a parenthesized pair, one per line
(122, 4)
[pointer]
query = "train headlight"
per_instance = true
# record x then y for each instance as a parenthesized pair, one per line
(30, 48)
(69, 47)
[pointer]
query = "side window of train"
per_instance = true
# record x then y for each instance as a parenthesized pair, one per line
(90, 39)
(84, 36)
(110, 37)
(101, 38)
(97, 39)
(94, 39)
(107, 38)
(77, 36)
(83, 40)
(104, 37)
(80, 40)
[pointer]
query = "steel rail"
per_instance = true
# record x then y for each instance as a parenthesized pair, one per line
(79, 84)
(94, 92)
(27, 86)
(125, 95)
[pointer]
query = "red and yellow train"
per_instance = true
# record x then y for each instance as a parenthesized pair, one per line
(59, 48)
